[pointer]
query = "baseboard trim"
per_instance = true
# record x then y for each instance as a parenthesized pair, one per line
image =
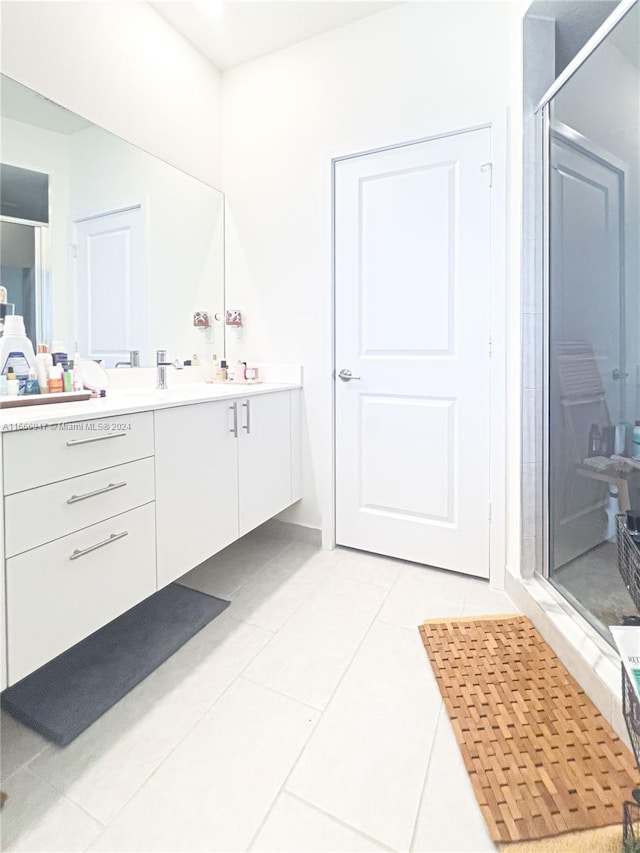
(293, 532)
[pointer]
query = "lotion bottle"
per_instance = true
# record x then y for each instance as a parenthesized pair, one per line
(44, 362)
(13, 383)
(55, 384)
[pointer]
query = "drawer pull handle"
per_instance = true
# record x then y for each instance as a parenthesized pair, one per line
(96, 438)
(113, 538)
(234, 429)
(110, 488)
(247, 425)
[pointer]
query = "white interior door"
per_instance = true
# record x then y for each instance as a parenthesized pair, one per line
(111, 296)
(586, 304)
(412, 272)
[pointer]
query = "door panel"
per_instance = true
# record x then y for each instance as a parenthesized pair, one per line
(111, 299)
(420, 263)
(587, 346)
(429, 493)
(412, 266)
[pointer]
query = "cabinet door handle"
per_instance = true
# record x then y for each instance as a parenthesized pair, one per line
(96, 438)
(110, 488)
(247, 425)
(234, 429)
(113, 538)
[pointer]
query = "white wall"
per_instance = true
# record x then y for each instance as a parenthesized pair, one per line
(415, 69)
(120, 65)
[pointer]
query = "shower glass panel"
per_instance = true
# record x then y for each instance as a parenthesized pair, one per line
(20, 273)
(593, 130)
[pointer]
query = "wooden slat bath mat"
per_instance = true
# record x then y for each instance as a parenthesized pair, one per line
(541, 758)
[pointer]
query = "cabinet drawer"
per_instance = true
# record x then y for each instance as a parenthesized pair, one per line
(60, 451)
(62, 592)
(40, 515)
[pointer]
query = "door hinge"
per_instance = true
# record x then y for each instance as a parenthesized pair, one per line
(74, 249)
(488, 167)
(490, 347)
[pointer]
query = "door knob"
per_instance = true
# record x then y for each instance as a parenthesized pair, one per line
(347, 375)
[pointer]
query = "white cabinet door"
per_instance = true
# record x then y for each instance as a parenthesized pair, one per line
(264, 473)
(196, 485)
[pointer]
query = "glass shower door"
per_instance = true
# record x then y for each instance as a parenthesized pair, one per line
(592, 312)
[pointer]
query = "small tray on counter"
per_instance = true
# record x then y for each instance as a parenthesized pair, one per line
(43, 399)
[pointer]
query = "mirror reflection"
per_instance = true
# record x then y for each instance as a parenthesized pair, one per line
(104, 247)
(594, 305)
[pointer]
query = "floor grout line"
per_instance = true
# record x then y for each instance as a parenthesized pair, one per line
(282, 694)
(319, 720)
(197, 722)
(339, 820)
(412, 843)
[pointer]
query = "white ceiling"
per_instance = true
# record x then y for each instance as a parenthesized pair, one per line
(228, 32)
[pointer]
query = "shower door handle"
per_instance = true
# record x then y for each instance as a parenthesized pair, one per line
(616, 374)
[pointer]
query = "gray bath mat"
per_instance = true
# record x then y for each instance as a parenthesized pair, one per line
(62, 698)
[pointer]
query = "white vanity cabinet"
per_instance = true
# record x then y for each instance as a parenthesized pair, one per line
(196, 485)
(79, 532)
(99, 513)
(222, 468)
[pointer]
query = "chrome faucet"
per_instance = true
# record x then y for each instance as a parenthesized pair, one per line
(161, 366)
(134, 359)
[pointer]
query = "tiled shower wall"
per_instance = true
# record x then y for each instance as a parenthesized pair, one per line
(538, 75)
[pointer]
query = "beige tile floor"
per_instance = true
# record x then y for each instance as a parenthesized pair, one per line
(304, 718)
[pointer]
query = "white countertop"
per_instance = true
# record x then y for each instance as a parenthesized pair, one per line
(120, 402)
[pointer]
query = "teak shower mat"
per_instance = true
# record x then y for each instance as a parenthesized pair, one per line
(541, 758)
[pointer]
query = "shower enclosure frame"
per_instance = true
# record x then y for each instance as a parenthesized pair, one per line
(42, 275)
(543, 131)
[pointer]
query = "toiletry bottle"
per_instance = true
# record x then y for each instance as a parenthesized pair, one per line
(67, 379)
(13, 383)
(55, 384)
(213, 370)
(195, 361)
(594, 440)
(16, 350)
(43, 364)
(32, 386)
(4, 390)
(59, 353)
(221, 372)
(636, 441)
(239, 374)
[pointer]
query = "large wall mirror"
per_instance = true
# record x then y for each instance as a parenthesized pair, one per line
(103, 244)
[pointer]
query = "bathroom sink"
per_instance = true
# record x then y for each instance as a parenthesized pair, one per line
(199, 391)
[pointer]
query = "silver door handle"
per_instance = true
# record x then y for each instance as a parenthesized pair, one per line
(96, 438)
(247, 426)
(616, 374)
(110, 488)
(234, 429)
(347, 375)
(113, 538)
